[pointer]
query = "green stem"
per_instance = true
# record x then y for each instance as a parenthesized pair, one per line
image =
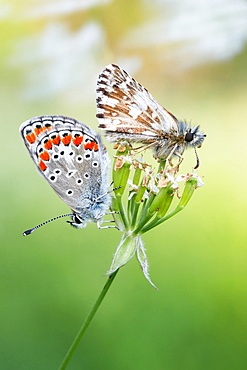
(130, 207)
(146, 206)
(143, 222)
(87, 322)
(122, 211)
(120, 219)
(158, 221)
(134, 214)
(161, 165)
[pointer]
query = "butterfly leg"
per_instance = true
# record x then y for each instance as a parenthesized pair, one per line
(181, 158)
(143, 147)
(112, 212)
(105, 227)
(169, 159)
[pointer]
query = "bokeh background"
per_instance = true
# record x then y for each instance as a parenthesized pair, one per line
(192, 56)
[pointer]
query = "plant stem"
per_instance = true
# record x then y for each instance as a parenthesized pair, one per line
(122, 212)
(87, 321)
(135, 212)
(158, 221)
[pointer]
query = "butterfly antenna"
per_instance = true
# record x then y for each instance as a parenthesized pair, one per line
(27, 232)
(197, 160)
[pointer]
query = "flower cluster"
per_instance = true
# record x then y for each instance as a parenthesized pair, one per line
(142, 199)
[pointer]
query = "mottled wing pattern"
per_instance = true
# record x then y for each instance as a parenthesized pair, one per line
(127, 110)
(69, 155)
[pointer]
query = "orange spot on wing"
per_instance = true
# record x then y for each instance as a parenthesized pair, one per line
(77, 140)
(48, 145)
(57, 140)
(66, 139)
(45, 156)
(39, 130)
(90, 145)
(31, 138)
(96, 147)
(42, 166)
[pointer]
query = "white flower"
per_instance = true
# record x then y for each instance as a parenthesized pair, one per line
(183, 177)
(199, 181)
(180, 178)
(133, 188)
(163, 181)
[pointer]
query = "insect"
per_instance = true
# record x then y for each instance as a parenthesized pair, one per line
(74, 162)
(127, 111)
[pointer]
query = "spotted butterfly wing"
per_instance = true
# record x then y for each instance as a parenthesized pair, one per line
(73, 160)
(127, 111)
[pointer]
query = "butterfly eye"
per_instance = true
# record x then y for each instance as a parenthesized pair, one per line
(77, 219)
(189, 136)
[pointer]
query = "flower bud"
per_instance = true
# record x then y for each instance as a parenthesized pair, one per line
(189, 189)
(160, 200)
(121, 170)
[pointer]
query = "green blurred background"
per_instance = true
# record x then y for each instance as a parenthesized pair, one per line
(192, 57)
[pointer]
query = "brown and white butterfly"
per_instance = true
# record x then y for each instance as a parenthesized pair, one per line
(127, 111)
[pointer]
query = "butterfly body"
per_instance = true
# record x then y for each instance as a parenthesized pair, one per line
(127, 111)
(72, 159)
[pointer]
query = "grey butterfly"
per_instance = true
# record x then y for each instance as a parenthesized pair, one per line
(73, 160)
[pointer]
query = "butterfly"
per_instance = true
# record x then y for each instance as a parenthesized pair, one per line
(74, 162)
(127, 111)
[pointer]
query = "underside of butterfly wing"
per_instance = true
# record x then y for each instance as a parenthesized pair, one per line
(126, 110)
(73, 160)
